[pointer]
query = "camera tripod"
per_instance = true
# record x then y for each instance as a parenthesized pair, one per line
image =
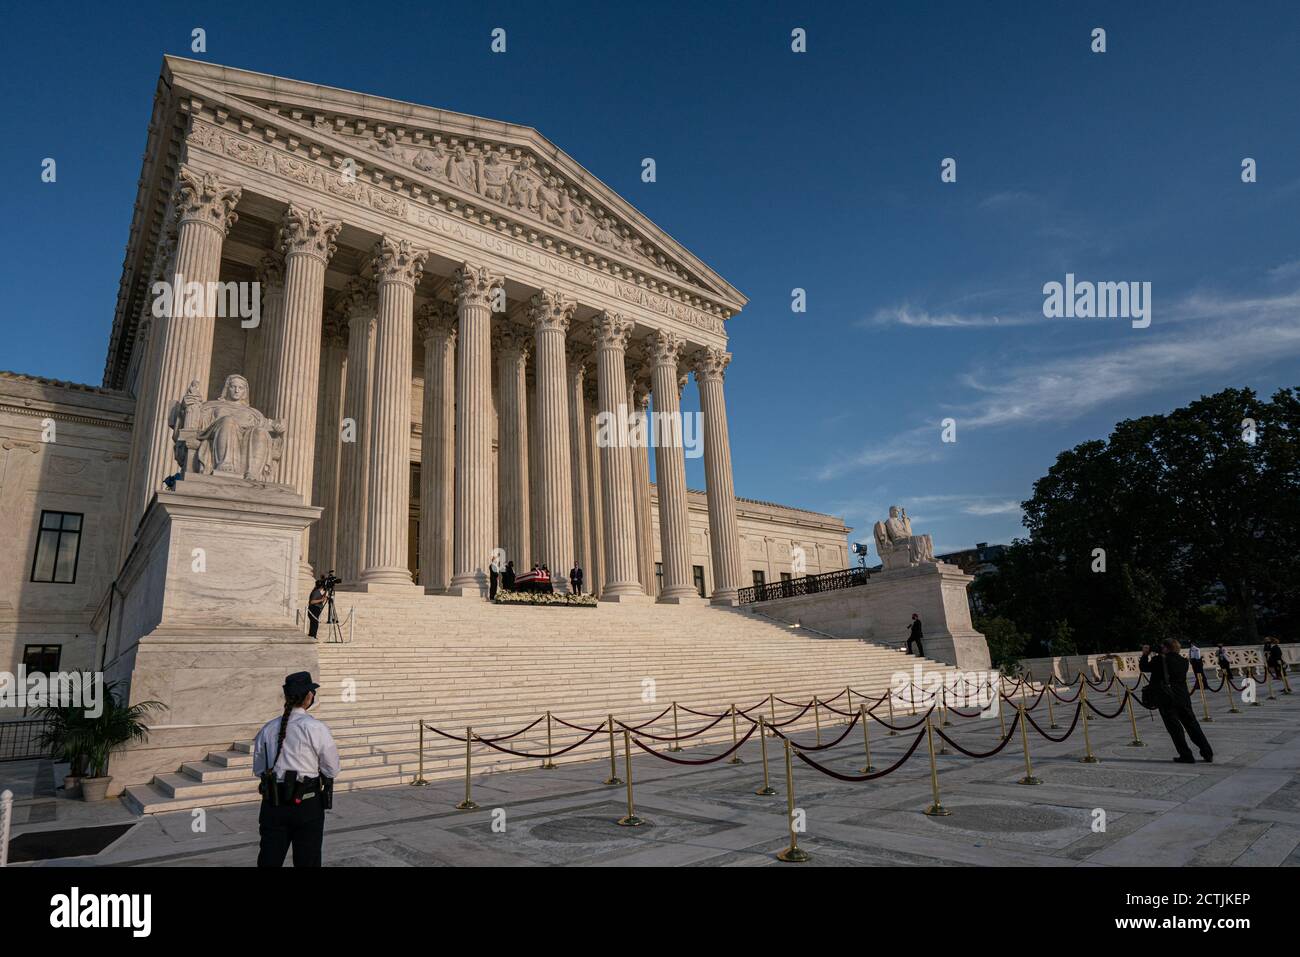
(330, 619)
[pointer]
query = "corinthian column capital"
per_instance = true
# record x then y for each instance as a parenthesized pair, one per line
(270, 270)
(397, 260)
(306, 230)
(360, 299)
(436, 319)
(611, 330)
(550, 309)
(475, 286)
(711, 363)
(204, 198)
(664, 348)
(511, 341)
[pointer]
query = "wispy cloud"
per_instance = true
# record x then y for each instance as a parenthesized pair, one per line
(907, 315)
(912, 447)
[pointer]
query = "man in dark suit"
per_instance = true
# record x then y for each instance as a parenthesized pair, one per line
(1174, 701)
(914, 635)
(508, 577)
(575, 578)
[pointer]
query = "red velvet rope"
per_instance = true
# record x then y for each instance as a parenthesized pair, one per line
(819, 747)
(731, 750)
(553, 754)
(1078, 710)
(671, 737)
(855, 778)
(983, 754)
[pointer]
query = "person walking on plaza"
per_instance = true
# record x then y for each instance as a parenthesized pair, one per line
(296, 760)
(914, 635)
(575, 578)
(1198, 666)
(1225, 666)
(1174, 702)
(1273, 657)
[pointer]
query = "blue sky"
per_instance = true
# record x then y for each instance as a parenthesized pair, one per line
(782, 170)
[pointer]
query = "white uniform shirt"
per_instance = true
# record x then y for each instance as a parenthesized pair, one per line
(308, 748)
(1194, 653)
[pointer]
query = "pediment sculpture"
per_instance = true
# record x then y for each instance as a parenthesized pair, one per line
(898, 546)
(225, 436)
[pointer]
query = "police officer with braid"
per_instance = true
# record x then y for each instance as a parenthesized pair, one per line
(296, 760)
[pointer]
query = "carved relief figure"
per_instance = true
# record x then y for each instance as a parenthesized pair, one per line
(225, 436)
(463, 170)
(524, 183)
(432, 161)
(496, 175)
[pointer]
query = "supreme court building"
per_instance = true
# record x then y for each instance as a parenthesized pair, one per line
(447, 305)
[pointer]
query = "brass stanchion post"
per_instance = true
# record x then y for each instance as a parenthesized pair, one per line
(1137, 741)
(630, 819)
(943, 705)
(866, 739)
(936, 809)
(1286, 682)
(889, 695)
(613, 778)
(767, 788)
(548, 764)
(1002, 721)
(675, 746)
(419, 781)
(1256, 703)
(1088, 756)
(935, 703)
(1268, 682)
(1205, 705)
(849, 708)
(771, 705)
(1024, 743)
(1228, 690)
(1051, 713)
(793, 854)
(467, 804)
(817, 718)
(735, 740)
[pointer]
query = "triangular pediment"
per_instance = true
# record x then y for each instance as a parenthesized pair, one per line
(504, 171)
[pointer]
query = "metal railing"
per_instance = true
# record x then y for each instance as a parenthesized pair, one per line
(808, 585)
(20, 740)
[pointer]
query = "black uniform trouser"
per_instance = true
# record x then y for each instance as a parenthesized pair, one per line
(917, 641)
(300, 826)
(1178, 715)
(313, 618)
(1198, 669)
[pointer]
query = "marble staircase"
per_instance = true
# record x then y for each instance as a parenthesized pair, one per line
(458, 662)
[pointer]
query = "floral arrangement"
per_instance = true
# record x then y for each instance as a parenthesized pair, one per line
(563, 600)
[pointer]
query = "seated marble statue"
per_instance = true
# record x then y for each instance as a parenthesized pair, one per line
(897, 545)
(225, 436)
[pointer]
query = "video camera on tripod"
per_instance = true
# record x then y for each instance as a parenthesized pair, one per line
(327, 583)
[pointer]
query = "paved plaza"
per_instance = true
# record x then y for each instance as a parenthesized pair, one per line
(1242, 810)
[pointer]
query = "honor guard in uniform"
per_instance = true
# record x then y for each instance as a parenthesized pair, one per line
(295, 758)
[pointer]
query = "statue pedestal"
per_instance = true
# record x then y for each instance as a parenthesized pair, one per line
(208, 618)
(937, 593)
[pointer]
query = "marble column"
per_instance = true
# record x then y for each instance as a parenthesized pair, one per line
(475, 290)
(596, 520)
(437, 326)
(724, 529)
(259, 356)
(361, 306)
(577, 359)
(611, 332)
(329, 415)
(550, 313)
(398, 266)
(182, 337)
(511, 345)
(670, 471)
(307, 242)
(148, 331)
(639, 395)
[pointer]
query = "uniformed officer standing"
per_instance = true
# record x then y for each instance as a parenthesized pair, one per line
(296, 759)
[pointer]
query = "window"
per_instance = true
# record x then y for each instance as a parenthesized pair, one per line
(785, 576)
(58, 544)
(699, 579)
(759, 578)
(659, 578)
(41, 659)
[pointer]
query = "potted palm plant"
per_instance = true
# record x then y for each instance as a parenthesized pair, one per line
(63, 738)
(116, 726)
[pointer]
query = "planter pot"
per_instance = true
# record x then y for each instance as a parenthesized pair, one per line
(95, 789)
(71, 785)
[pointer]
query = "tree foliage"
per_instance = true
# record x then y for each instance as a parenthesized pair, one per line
(1185, 525)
